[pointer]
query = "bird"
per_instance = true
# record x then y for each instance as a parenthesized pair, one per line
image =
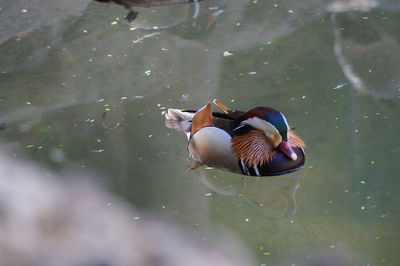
(258, 142)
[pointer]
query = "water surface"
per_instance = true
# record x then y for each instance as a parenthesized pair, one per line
(82, 88)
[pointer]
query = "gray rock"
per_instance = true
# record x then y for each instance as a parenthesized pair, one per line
(48, 220)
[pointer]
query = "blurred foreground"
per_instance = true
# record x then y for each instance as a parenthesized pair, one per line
(71, 221)
(47, 220)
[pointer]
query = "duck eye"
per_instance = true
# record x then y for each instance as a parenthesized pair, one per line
(269, 134)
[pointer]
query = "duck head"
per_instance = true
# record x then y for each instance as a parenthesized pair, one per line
(275, 127)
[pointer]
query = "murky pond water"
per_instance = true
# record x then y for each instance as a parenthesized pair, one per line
(82, 88)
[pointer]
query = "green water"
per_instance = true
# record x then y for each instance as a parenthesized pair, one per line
(82, 89)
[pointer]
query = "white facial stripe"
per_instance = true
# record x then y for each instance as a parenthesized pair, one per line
(284, 119)
(269, 129)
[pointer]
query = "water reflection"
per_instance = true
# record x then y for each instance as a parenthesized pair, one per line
(273, 197)
(166, 14)
(360, 39)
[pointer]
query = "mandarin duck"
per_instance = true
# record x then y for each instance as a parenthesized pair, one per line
(257, 143)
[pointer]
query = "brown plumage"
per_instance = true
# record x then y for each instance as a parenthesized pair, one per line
(202, 118)
(254, 147)
(295, 140)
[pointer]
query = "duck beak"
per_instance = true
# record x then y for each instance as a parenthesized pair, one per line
(285, 147)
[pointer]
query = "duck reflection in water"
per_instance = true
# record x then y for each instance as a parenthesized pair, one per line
(130, 4)
(274, 198)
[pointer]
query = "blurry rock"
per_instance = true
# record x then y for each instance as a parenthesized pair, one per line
(52, 221)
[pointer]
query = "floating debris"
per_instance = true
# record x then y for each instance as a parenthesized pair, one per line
(3, 125)
(140, 39)
(106, 126)
(113, 127)
(184, 98)
(339, 86)
(226, 53)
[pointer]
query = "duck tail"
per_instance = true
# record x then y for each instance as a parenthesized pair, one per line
(178, 114)
(179, 120)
